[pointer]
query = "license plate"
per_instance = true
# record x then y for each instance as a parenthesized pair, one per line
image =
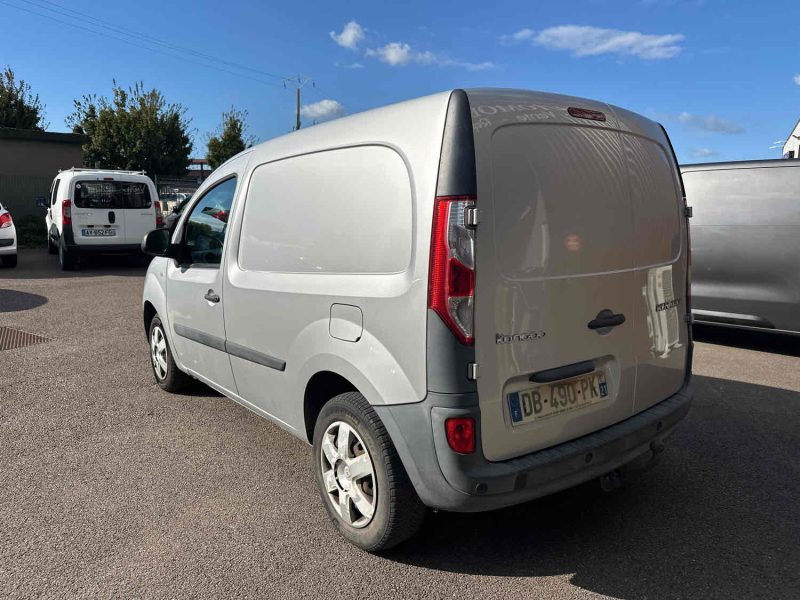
(99, 232)
(557, 398)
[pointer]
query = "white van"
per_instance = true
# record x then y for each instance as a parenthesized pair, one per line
(99, 211)
(457, 300)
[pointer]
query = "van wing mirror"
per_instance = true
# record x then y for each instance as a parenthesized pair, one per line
(41, 202)
(158, 242)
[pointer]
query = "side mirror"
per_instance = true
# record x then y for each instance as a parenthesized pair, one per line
(41, 202)
(158, 243)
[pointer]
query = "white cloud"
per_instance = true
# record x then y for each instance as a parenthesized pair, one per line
(399, 54)
(583, 40)
(394, 54)
(523, 35)
(710, 124)
(355, 65)
(322, 110)
(351, 35)
(703, 153)
(797, 79)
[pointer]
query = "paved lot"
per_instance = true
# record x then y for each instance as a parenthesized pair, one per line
(111, 487)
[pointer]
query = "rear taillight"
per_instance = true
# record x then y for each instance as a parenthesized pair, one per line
(159, 217)
(5, 220)
(460, 434)
(451, 286)
(66, 212)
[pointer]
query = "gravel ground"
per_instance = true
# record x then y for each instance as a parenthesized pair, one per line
(110, 487)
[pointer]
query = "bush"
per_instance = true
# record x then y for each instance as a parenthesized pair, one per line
(31, 231)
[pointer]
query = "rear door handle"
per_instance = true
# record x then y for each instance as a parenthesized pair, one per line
(211, 296)
(605, 318)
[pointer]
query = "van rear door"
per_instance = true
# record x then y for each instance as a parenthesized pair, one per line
(555, 293)
(109, 210)
(98, 217)
(566, 275)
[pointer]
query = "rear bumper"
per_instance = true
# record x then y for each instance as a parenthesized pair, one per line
(8, 243)
(470, 483)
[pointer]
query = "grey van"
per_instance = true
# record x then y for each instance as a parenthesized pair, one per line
(746, 247)
(463, 301)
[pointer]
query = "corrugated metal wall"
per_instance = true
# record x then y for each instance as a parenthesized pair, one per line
(19, 193)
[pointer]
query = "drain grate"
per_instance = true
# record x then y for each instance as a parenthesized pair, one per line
(11, 338)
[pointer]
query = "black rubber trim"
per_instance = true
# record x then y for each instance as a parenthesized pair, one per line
(8, 242)
(457, 175)
(200, 337)
(255, 356)
(230, 348)
(565, 372)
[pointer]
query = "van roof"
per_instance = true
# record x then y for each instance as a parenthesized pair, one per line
(416, 116)
(742, 164)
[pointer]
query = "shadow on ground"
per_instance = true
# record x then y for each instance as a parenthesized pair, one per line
(36, 263)
(761, 341)
(717, 517)
(14, 301)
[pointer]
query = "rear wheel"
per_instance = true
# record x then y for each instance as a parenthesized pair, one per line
(10, 260)
(166, 372)
(364, 487)
(67, 259)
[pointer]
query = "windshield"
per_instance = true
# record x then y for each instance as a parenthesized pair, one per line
(112, 195)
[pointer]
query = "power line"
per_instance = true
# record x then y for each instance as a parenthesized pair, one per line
(139, 45)
(70, 13)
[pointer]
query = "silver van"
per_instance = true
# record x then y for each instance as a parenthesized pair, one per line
(463, 301)
(746, 246)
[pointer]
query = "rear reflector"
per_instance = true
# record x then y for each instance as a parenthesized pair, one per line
(461, 434)
(5, 220)
(585, 113)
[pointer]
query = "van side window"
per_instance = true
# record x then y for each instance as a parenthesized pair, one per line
(54, 195)
(204, 236)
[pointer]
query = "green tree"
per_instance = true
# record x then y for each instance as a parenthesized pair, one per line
(135, 129)
(19, 107)
(231, 140)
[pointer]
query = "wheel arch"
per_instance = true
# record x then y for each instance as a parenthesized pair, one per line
(320, 389)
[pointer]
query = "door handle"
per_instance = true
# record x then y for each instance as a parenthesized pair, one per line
(606, 319)
(211, 296)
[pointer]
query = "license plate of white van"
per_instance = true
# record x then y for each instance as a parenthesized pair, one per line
(549, 399)
(98, 232)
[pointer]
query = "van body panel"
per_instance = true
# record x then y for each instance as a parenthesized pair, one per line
(283, 309)
(746, 242)
(574, 214)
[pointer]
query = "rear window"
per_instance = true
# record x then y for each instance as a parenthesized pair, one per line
(112, 195)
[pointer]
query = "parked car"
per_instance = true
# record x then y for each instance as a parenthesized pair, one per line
(172, 216)
(8, 239)
(746, 247)
(99, 211)
(464, 301)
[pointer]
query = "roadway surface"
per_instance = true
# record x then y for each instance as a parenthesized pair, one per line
(110, 487)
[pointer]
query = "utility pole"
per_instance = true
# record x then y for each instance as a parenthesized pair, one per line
(298, 83)
(297, 126)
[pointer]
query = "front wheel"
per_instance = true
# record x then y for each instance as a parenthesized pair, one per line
(51, 247)
(166, 372)
(364, 487)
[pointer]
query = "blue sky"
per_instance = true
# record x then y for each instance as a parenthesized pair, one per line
(719, 75)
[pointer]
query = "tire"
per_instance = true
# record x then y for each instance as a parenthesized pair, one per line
(10, 261)
(396, 511)
(51, 247)
(67, 259)
(167, 374)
